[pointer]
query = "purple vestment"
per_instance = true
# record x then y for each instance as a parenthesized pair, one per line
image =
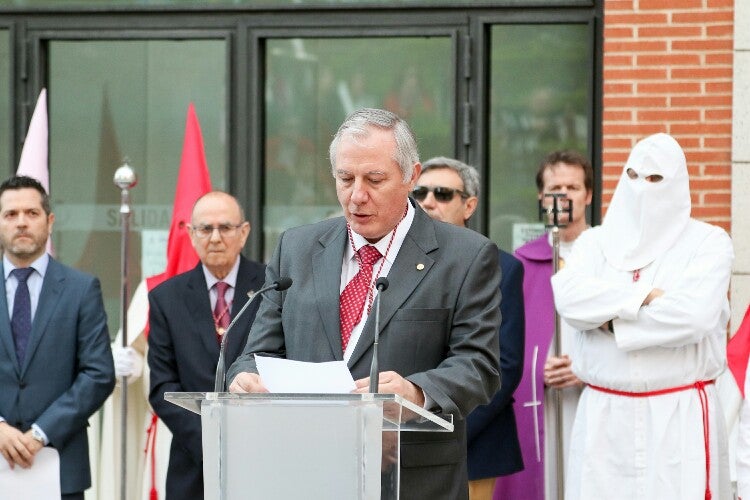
(528, 484)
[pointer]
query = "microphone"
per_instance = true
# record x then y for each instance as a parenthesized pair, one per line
(381, 285)
(280, 285)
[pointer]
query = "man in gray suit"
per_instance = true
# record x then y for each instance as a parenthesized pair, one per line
(439, 317)
(56, 365)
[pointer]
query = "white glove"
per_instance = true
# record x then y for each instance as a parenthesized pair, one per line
(128, 363)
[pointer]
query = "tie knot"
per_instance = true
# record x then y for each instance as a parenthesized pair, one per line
(369, 255)
(22, 273)
(221, 287)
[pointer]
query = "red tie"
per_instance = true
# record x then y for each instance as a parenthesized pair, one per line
(221, 310)
(353, 297)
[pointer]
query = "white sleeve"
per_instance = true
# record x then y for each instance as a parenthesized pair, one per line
(583, 298)
(694, 304)
(690, 308)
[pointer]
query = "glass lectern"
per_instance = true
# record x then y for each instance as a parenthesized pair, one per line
(311, 446)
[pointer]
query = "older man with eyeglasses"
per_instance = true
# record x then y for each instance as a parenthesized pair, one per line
(188, 315)
(447, 190)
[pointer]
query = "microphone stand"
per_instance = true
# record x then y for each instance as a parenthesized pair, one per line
(220, 379)
(381, 285)
(125, 179)
(553, 211)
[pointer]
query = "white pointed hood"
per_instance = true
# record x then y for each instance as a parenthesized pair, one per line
(645, 218)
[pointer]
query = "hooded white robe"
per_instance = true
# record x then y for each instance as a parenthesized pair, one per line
(648, 447)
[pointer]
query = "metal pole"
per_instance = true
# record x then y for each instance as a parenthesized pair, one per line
(125, 179)
(559, 450)
(546, 212)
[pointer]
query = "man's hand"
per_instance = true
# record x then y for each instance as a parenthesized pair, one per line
(33, 444)
(247, 382)
(557, 373)
(393, 383)
(17, 447)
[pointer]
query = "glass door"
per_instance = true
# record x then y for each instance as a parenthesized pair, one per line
(540, 99)
(112, 100)
(312, 84)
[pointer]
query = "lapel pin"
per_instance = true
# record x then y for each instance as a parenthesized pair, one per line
(420, 266)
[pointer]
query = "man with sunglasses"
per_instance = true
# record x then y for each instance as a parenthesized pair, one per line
(447, 190)
(188, 315)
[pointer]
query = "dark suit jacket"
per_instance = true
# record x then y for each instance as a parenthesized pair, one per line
(182, 356)
(439, 322)
(67, 373)
(491, 429)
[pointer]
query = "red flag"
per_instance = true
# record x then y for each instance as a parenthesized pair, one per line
(193, 182)
(738, 351)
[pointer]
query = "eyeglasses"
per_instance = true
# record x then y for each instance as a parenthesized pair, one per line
(442, 194)
(225, 230)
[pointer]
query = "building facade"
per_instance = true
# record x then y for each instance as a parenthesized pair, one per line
(496, 83)
(682, 67)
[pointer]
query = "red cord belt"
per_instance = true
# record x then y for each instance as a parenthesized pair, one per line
(700, 386)
(151, 450)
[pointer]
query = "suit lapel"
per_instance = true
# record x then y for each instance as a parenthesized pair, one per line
(199, 305)
(52, 288)
(326, 268)
(405, 276)
(6, 335)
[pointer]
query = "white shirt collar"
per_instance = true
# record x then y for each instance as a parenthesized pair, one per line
(382, 244)
(39, 265)
(230, 279)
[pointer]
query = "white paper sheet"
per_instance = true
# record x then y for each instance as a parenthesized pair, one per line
(283, 375)
(39, 482)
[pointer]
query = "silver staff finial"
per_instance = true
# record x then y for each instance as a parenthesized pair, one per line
(125, 176)
(125, 179)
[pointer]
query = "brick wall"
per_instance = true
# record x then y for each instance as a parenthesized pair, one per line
(668, 68)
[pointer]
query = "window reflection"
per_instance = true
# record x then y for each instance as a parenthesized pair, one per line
(313, 84)
(540, 101)
(115, 99)
(5, 121)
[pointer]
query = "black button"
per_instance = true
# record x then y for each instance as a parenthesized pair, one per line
(22, 385)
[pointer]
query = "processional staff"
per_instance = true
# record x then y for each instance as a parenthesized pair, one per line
(551, 205)
(125, 179)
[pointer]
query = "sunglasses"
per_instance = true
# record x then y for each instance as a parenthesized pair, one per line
(442, 194)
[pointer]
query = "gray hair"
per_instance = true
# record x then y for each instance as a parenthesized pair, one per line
(469, 175)
(358, 124)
